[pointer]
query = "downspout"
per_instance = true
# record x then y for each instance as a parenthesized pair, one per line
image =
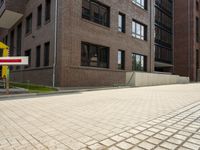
(151, 36)
(190, 16)
(55, 43)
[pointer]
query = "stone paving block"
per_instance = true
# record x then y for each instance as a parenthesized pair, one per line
(124, 145)
(141, 136)
(166, 133)
(181, 137)
(117, 138)
(147, 146)
(84, 139)
(148, 133)
(184, 133)
(137, 148)
(140, 128)
(96, 147)
(169, 145)
(161, 148)
(171, 130)
(134, 131)
(160, 136)
(191, 146)
(91, 142)
(133, 141)
(175, 141)
(125, 134)
(108, 142)
(154, 140)
(114, 148)
(195, 141)
(155, 130)
(196, 136)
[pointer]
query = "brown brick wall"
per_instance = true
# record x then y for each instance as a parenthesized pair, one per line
(185, 38)
(72, 29)
(76, 29)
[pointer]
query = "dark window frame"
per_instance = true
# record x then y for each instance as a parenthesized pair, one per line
(47, 48)
(28, 53)
(140, 35)
(145, 6)
(135, 66)
(29, 20)
(39, 16)
(93, 55)
(102, 19)
(38, 56)
(47, 10)
(122, 24)
(121, 62)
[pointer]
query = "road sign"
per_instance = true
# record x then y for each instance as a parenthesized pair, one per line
(8, 61)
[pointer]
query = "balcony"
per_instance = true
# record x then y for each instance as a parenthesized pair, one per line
(11, 11)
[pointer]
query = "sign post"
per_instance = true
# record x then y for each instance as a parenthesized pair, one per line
(11, 61)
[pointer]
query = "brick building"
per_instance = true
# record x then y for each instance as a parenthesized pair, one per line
(186, 39)
(87, 42)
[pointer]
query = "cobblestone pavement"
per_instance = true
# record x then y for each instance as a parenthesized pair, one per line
(162, 117)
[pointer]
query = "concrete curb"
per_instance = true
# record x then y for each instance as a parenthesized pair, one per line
(28, 95)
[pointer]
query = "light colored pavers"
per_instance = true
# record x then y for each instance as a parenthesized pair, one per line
(161, 117)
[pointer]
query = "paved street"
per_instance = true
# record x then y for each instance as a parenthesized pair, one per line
(160, 117)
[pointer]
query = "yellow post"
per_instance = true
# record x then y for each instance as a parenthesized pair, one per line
(5, 54)
(5, 69)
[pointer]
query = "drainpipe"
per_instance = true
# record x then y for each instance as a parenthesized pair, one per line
(151, 3)
(55, 43)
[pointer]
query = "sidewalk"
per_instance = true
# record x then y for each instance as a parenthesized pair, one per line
(159, 117)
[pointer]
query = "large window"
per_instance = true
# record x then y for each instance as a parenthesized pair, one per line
(163, 54)
(46, 53)
(47, 10)
(121, 22)
(139, 62)
(39, 16)
(29, 24)
(121, 60)
(139, 30)
(96, 12)
(140, 3)
(94, 55)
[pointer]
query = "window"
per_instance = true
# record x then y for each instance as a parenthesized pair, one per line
(28, 54)
(139, 62)
(197, 5)
(121, 60)
(29, 24)
(163, 54)
(121, 23)
(140, 3)
(19, 39)
(47, 10)
(139, 30)
(39, 16)
(197, 29)
(94, 55)
(38, 54)
(96, 12)
(12, 42)
(46, 53)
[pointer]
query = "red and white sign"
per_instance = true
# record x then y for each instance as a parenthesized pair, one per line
(6, 61)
